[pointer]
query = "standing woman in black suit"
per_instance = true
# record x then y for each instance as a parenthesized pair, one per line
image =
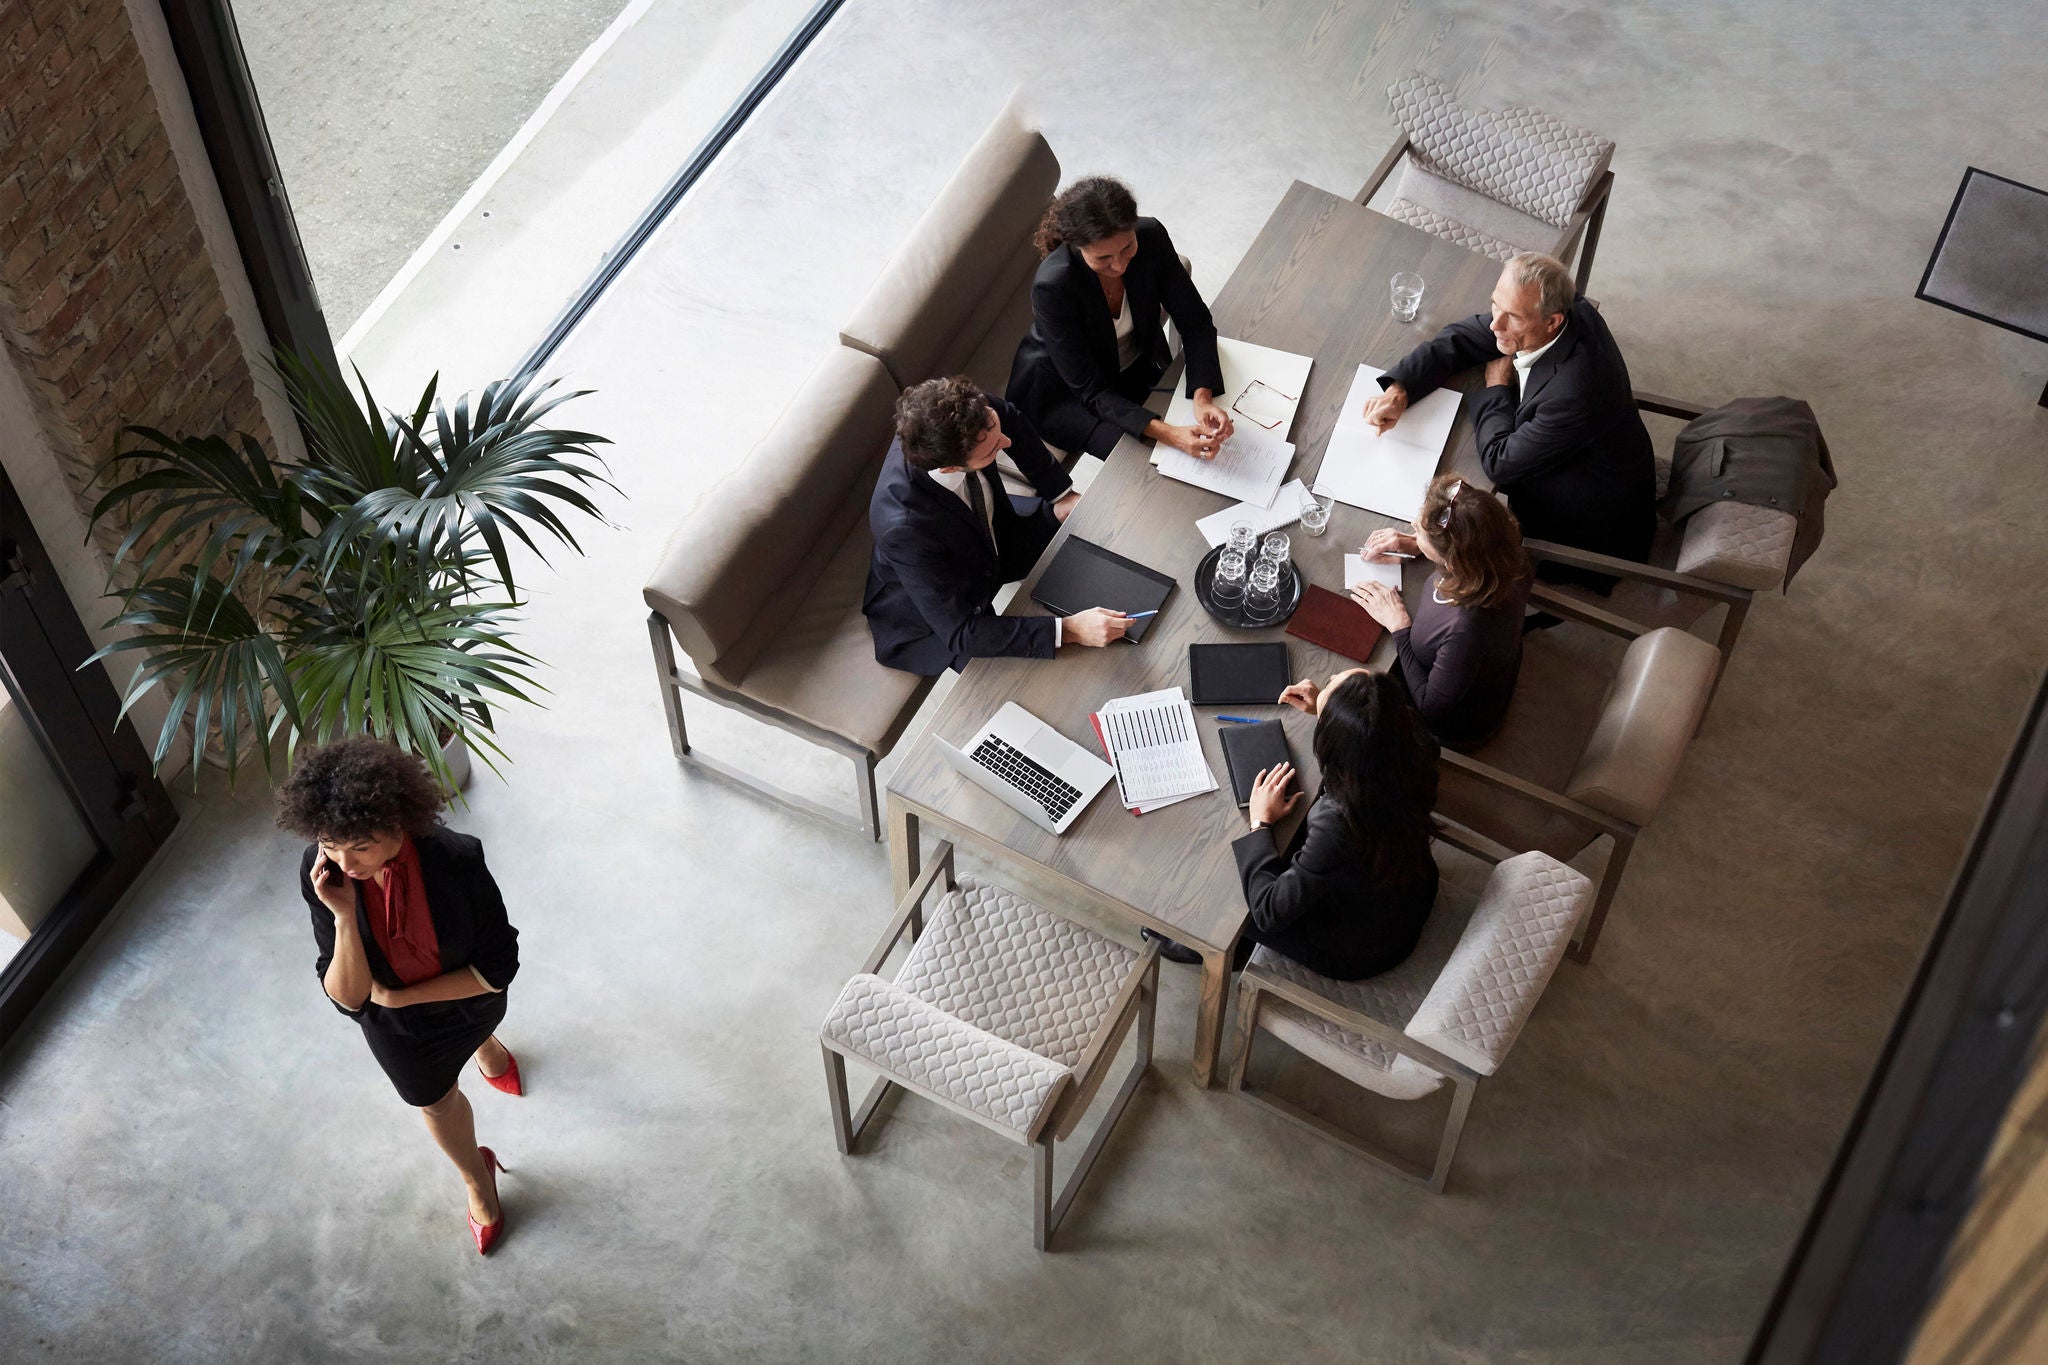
(412, 937)
(1096, 345)
(1349, 894)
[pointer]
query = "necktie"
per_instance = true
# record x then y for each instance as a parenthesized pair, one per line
(977, 501)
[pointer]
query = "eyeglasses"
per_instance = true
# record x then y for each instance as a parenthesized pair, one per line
(1259, 402)
(1443, 518)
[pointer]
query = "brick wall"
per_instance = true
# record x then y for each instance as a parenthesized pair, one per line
(108, 297)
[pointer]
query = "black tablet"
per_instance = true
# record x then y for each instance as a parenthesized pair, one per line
(1237, 674)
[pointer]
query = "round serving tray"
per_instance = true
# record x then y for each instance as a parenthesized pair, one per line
(1290, 590)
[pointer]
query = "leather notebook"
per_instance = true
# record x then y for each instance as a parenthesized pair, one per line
(1336, 623)
(1237, 674)
(1249, 750)
(1084, 575)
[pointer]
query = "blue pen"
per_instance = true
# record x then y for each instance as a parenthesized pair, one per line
(1140, 615)
(1239, 720)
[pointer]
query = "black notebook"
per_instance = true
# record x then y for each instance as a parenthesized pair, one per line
(1249, 750)
(1237, 675)
(1084, 575)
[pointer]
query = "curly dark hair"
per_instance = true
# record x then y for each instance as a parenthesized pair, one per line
(1086, 211)
(358, 788)
(941, 421)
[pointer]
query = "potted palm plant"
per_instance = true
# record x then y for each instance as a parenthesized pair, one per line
(369, 589)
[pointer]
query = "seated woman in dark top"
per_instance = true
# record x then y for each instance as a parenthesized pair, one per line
(1461, 653)
(1349, 895)
(1096, 345)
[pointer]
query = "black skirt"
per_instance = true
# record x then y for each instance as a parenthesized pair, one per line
(423, 1048)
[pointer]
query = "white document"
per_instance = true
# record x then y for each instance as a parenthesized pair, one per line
(1386, 472)
(1281, 374)
(1286, 510)
(1249, 466)
(1157, 751)
(1358, 570)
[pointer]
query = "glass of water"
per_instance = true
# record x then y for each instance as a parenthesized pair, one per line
(1315, 515)
(1227, 587)
(1407, 287)
(1274, 549)
(1243, 539)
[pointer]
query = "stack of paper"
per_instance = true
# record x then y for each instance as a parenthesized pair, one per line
(1249, 466)
(1286, 509)
(1386, 472)
(1358, 569)
(1152, 742)
(1280, 375)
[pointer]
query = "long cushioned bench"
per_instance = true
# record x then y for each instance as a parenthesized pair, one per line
(761, 585)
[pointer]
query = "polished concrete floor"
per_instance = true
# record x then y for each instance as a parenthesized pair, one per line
(200, 1163)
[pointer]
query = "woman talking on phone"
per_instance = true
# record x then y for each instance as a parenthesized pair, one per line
(413, 941)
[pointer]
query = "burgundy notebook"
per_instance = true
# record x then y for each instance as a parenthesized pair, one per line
(1336, 623)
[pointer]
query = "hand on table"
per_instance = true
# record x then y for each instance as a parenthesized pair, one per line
(1302, 696)
(1382, 412)
(1194, 440)
(1501, 370)
(1211, 418)
(1269, 803)
(1383, 545)
(1095, 626)
(1381, 603)
(1064, 507)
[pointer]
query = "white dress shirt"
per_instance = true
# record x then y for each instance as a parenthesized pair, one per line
(1526, 360)
(1126, 336)
(956, 480)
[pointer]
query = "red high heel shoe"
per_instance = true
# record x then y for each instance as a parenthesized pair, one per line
(506, 1080)
(487, 1235)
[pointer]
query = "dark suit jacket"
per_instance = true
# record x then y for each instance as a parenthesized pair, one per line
(1572, 453)
(1319, 904)
(468, 913)
(932, 579)
(1070, 354)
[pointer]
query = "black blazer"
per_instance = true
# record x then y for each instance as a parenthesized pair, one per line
(932, 578)
(1572, 453)
(1070, 353)
(1319, 904)
(469, 915)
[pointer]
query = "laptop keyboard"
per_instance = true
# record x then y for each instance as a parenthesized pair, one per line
(1034, 779)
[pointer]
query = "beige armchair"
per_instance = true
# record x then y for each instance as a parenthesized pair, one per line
(1582, 755)
(1720, 556)
(1494, 182)
(1003, 1013)
(1448, 1013)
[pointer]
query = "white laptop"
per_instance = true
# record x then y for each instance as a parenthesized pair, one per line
(1031, 767)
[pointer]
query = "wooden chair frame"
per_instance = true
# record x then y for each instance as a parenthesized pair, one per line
(1256, 985)
(674, 680)
(1585, 221)
(1136, 1003)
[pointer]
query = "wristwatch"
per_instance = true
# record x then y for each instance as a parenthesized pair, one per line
(1258, 825)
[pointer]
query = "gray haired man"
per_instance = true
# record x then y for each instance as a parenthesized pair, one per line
(1558, 428)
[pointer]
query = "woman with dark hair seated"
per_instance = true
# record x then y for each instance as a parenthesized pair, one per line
(412, 937)
(1462, 651)
(1348, 896)
(1096, 345)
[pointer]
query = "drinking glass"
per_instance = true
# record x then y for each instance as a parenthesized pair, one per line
(1275, 547)
(1407, 287)
(1262, 595)
(1227, 587)
(1243, 539)
(1315, 515)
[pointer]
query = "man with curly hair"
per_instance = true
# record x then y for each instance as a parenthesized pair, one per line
(947, 536)
(412, 937)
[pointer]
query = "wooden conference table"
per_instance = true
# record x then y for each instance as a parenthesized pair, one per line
(1314, 283)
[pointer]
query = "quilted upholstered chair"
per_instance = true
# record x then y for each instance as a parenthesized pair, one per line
(1448, 1013)
(1004, 1013)
(1496, 182)
(1720, 556)
(1590, 747)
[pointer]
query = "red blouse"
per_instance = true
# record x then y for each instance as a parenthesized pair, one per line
(400, 920)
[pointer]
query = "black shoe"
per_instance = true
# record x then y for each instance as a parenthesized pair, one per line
(1172, 951)
(1540, 620)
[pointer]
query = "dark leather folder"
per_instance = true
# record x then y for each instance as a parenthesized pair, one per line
(1084, 575)
(1336, 623)
(1249, 750)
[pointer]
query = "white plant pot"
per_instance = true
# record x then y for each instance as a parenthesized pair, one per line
(455, 754)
